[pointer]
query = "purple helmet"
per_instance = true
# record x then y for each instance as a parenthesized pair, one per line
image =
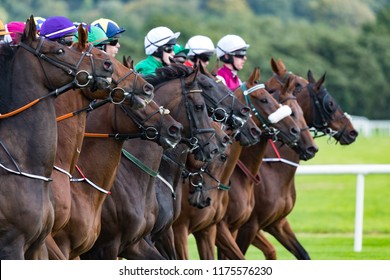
(57, 27)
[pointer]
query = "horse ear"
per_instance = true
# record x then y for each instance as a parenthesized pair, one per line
(320, 82)
(255, 76)
(310, 77)
(289, 85)
(128, 62)
(83, 36)
(274, 66)
(30, 30)
(214, 71)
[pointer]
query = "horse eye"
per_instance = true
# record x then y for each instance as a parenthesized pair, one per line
(60, 51)
(224, 157)
(199, 107)
(265, 101)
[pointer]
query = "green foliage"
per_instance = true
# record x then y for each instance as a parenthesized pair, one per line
(347, 39)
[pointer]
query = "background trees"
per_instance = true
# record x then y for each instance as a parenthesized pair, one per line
(347, 39)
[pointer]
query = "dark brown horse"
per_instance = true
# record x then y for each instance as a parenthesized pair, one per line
(202, 223)
(133, 200)
(127, 87)
(275, 194)
(28, 115)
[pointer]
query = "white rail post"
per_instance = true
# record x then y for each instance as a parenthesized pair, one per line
(359, 210)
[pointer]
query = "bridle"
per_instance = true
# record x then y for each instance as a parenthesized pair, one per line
(219, 114)
(193, 141)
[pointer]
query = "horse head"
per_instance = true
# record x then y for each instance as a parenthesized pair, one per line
(178, 90)
(305, 147)
(273, 118)
(222, 104)
(321, 111)
(203, 178)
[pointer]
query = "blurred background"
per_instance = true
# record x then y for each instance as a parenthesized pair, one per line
(347, 39)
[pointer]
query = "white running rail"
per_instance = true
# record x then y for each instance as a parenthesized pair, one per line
(360, 170)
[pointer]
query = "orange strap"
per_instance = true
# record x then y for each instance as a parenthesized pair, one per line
(96, 135)
(17, 111)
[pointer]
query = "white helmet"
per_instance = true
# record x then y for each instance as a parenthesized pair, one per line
(228, 44)
(200, 44)
(158, 37)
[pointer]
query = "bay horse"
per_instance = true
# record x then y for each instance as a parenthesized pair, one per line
(203, 223)
(276, 194)
(133, 200)
(28, 115)
(124, 89)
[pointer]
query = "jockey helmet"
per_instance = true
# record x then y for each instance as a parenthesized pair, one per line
(57, 27)
(158, 37)
(110, 27)
(232, 45)
(200, 44)
(95, 35)
(38, 22)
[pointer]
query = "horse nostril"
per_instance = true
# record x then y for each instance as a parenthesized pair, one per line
(245, 111)
(108, 65)
(353, 133)
(148, 89)
(312, 150)
(255, 132)
(174, 130)
(294, 131)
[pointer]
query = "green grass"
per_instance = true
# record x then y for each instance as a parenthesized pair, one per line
(324, 214)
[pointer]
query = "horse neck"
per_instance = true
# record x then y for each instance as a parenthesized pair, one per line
(252, 156)
(99, 157)
(227, 172)
(34, 128)
(71, 130)
(305, 102)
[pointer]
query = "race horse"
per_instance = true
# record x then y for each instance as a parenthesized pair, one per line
(202, 222)
(275, 194)
(133, 201)
(127, 87)
(33, 74)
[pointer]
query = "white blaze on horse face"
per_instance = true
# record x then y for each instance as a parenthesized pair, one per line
(281, 113)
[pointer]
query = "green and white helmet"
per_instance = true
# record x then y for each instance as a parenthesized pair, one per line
(231, 44)
(95, 35)
(159, 36)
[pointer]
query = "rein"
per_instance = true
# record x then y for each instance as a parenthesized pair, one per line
(148, 170)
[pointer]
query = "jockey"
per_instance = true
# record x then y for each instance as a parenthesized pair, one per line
(159, 48)
(231, 50)
(59, 29)
(113, 32)
(96, 37)
(15, 30)
(201, 49)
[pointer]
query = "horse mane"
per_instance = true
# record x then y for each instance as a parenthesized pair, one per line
(168, 73)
